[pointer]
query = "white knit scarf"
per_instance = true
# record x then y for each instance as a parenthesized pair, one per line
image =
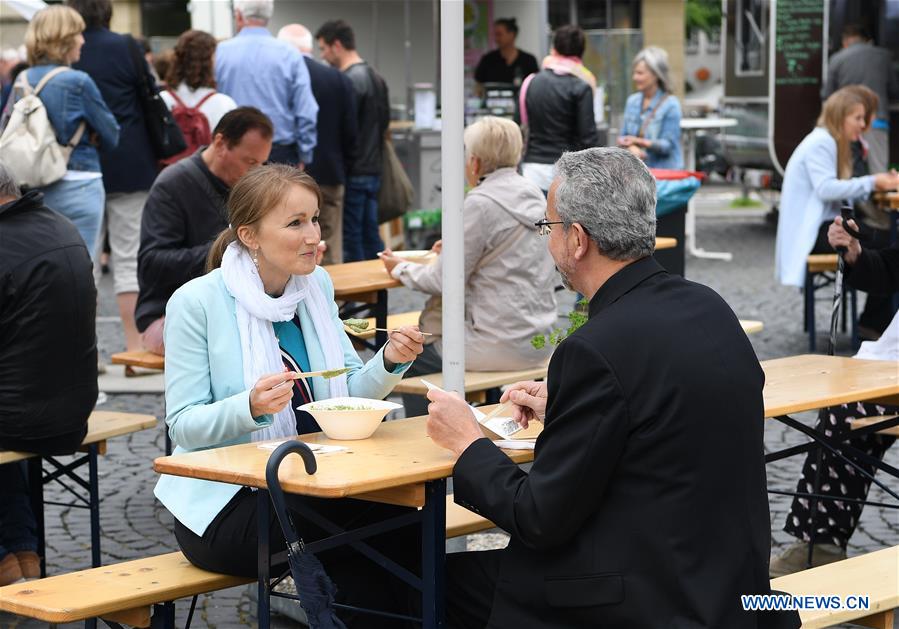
(259, 347)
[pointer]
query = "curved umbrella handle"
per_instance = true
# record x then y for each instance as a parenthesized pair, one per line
(277, 494)
(847, 212)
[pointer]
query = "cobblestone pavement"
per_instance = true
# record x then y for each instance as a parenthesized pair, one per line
(135, 525)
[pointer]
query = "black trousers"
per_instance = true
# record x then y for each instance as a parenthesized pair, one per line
(229, 546)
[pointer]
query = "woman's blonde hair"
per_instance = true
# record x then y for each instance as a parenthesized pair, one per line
(253, 196)
(495, 141)
(51, 34)
(833, 115)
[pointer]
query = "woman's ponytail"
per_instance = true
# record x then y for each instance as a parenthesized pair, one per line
(217, 251)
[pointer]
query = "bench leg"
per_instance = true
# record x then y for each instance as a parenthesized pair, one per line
(163, 616)
(810, 310)
(883, 620)
(36, 491)
(433, 555)
(93, 451)
(380, 309)
(263, 558)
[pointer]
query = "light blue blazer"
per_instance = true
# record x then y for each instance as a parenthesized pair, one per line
(810, 195)
(207, 404)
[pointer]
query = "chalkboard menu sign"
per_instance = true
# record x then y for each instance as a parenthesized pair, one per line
(796, 75)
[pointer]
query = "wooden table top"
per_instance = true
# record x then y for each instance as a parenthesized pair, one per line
(813, 381)
(101, 425)
(398, 454)
(353, 278)
(474, 380)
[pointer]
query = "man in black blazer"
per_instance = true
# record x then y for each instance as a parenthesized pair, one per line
(337, 131)
(646, 505)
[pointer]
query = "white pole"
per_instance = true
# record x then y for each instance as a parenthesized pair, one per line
(453, 182)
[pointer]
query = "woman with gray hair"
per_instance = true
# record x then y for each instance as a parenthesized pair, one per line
(651, 126)
(509, 279)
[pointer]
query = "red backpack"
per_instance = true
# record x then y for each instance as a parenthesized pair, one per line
(194, 126)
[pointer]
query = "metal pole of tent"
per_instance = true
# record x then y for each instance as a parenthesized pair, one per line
(452, 160)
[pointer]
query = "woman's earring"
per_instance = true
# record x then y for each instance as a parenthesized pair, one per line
(256, 258)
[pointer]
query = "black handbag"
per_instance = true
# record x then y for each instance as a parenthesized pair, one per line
(165, 134)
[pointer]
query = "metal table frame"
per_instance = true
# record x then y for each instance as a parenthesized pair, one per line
(844, 452)
(433, 554)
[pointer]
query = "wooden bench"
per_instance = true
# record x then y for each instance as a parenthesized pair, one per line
(818, 274)
(875, 575)
(393, 321)
(477, 383)
(751, 327)
(861, 422)
(146, 360)
(124, 592)
(101, 426)
(134, 591)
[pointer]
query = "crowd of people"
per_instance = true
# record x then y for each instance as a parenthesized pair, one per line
(217, 249)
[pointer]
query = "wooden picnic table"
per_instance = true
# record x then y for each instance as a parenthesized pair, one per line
(812, 381)
(398, 464)
(101, 426)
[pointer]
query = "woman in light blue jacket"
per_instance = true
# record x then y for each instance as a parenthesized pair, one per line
(817, 179)
(234, 339)
(651, 126)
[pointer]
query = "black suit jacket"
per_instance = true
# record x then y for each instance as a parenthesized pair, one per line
(48, 339)
(337, 127)
(875, 271)
(646, 505)
(107, 58)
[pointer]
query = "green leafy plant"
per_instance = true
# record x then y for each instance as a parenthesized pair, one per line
(704, 15)
(576, 318)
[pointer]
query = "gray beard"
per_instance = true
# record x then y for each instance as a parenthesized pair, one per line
(565, 282)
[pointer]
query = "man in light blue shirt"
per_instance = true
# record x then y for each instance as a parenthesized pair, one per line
(258, 70)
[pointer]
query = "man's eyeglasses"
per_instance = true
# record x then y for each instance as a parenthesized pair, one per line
(544, 227)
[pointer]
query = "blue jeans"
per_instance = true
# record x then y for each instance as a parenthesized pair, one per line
(361, 240)
(18, 531)
(82, 203)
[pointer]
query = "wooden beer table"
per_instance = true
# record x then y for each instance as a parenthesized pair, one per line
(398, 464)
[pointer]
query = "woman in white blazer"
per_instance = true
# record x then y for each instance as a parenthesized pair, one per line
(816, 181)
(234, 339)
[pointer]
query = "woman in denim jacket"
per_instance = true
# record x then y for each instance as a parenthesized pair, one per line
(651, 126)
(54, 39)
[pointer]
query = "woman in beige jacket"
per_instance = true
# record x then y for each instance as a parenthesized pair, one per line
(509, 277)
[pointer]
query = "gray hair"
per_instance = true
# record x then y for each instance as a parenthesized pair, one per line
(297, 36)
(656, 59)
(255, 9)
(612, 195)
(8, 185)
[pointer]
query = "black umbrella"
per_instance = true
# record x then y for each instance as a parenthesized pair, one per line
(314, 588)
(846, 213)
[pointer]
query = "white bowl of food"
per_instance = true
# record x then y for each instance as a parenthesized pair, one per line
(349, 418)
